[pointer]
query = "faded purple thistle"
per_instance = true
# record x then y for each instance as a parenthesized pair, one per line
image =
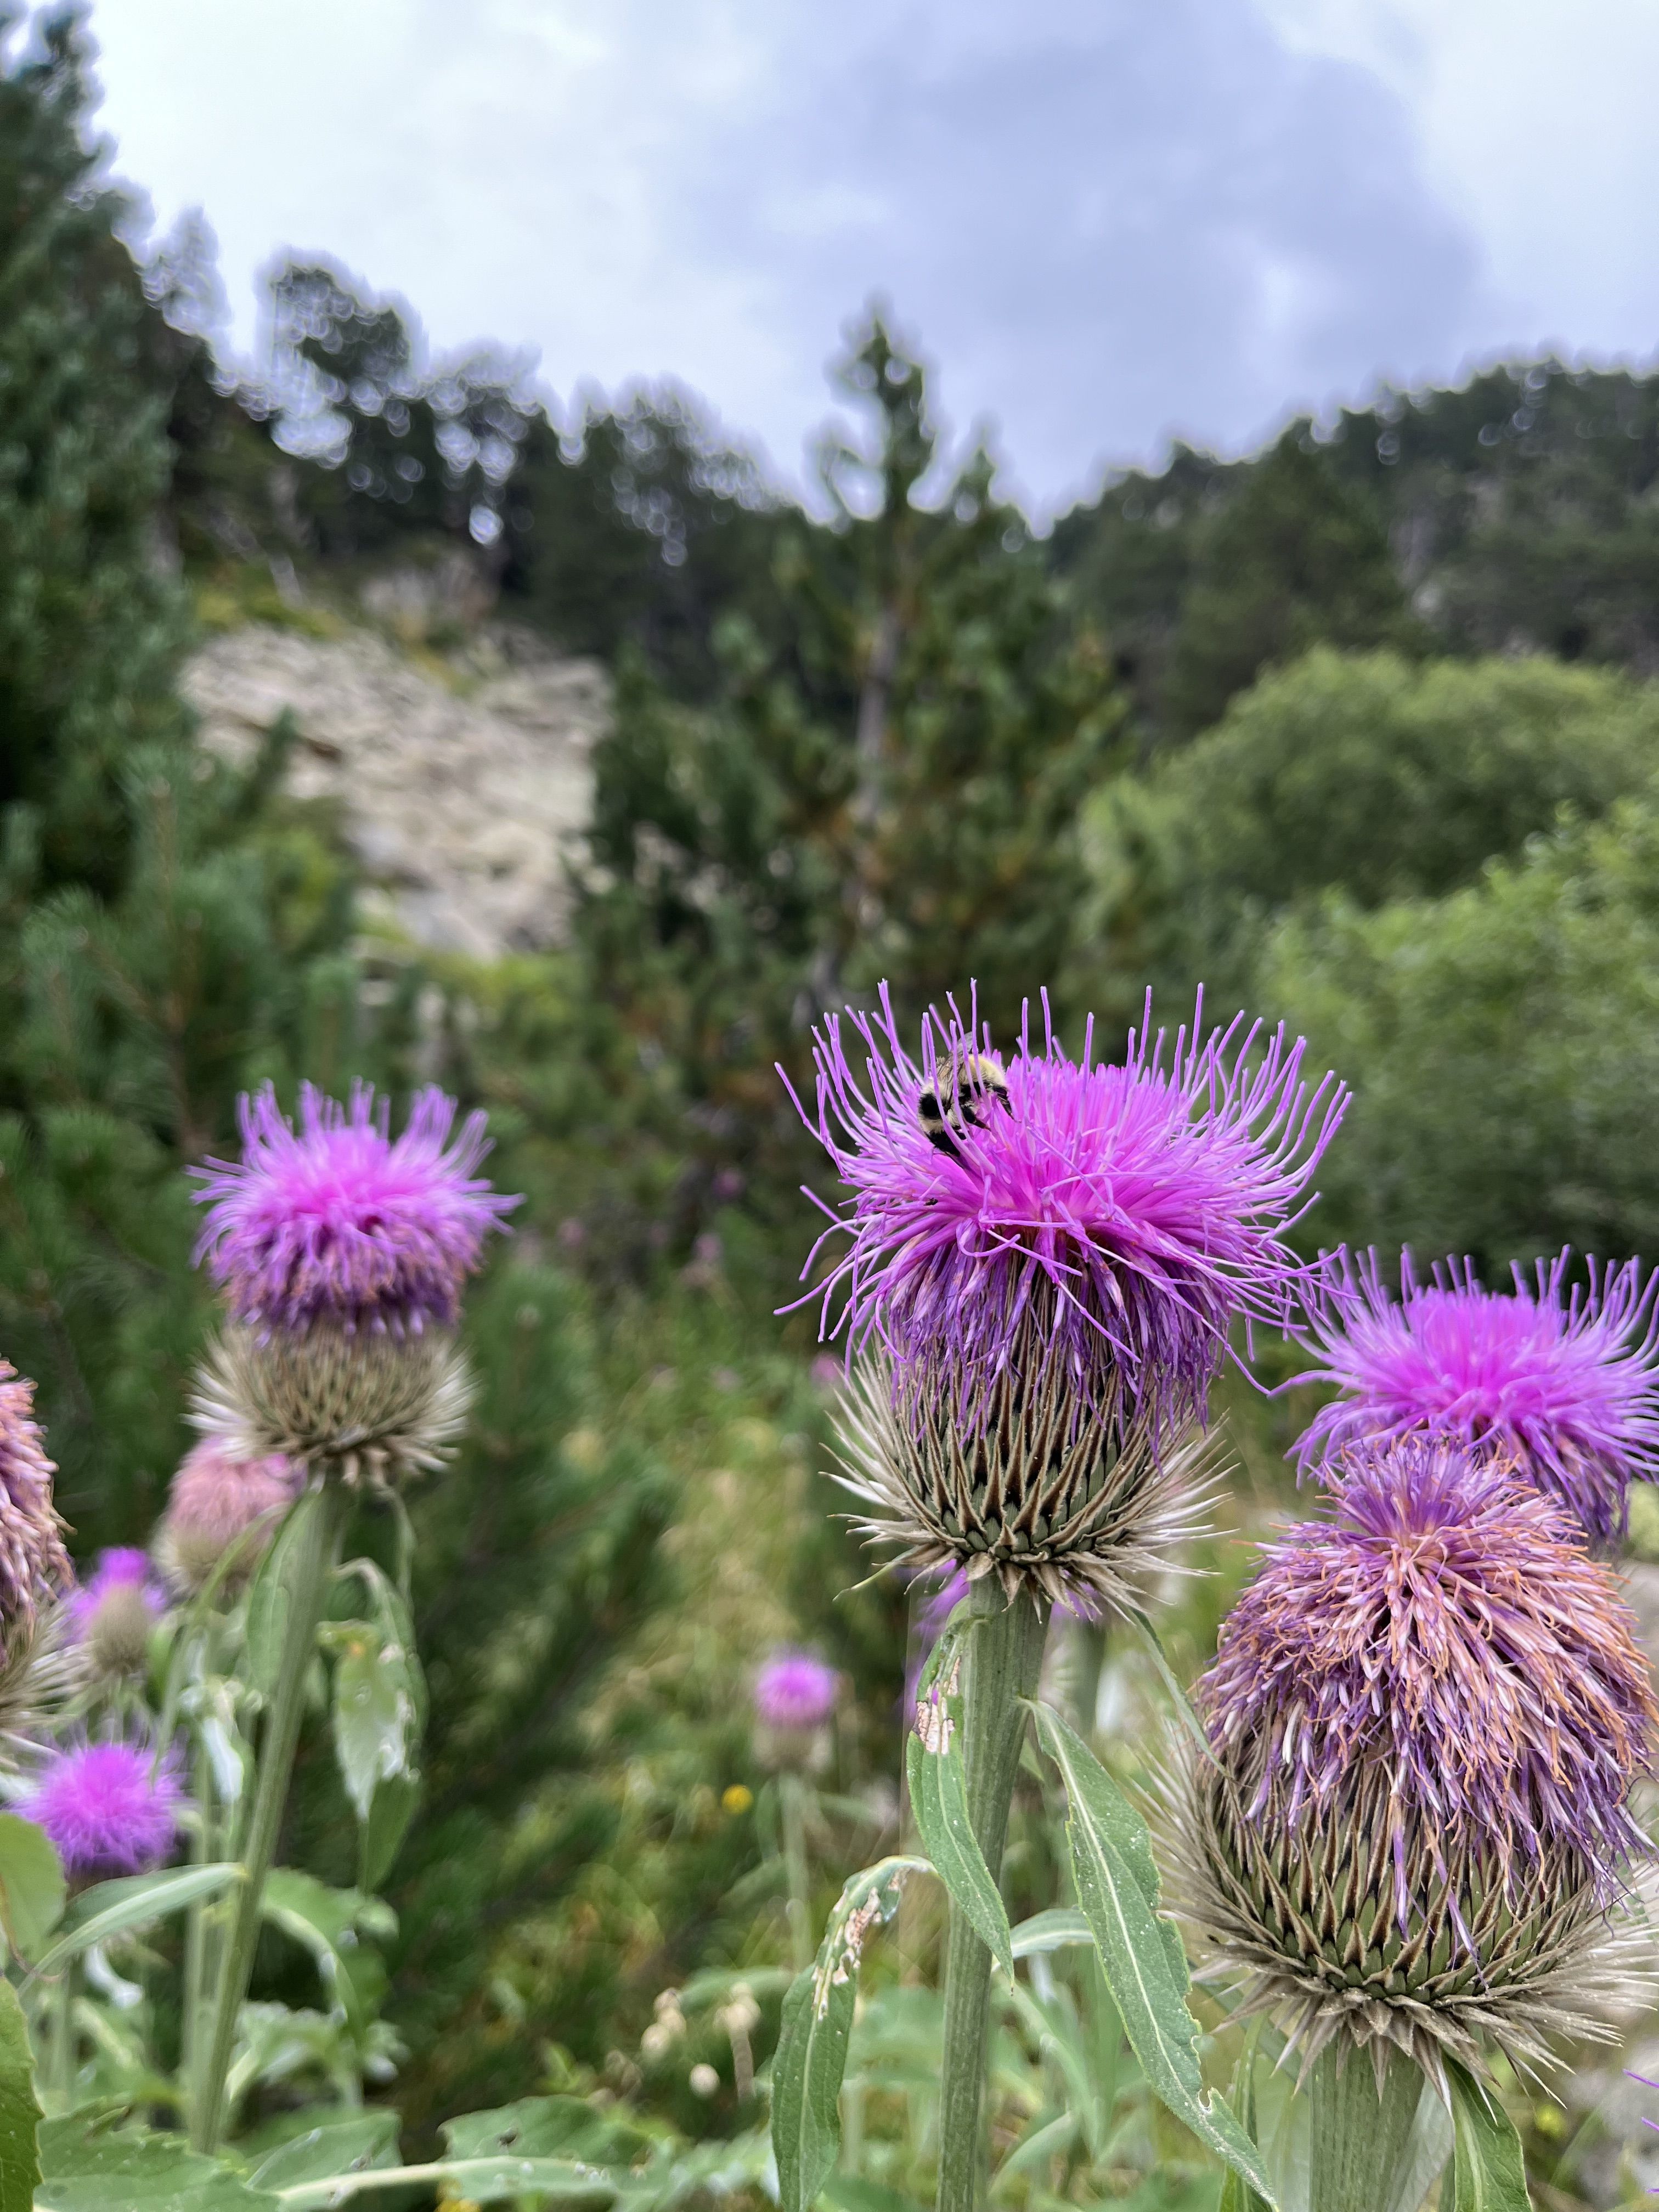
(1105, 1226)
(109, 1809)
(1562, 1382)
(793, 1690)
(35, 1568)
(340, 1222)
(219, 1501)
(1445, 1636)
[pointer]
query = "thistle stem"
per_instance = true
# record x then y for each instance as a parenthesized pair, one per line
(1358, 2139)
(791, 1793)
(197, 1966)
(62, 2060)
(1002, 1658)
(316, 1542)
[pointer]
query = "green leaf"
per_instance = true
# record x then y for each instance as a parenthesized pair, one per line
(356, 2144)
(19, 2112)
(396, 1623)
(817, 2021)
(1058, 1929)
(109, 1908)
(98, 2167)
(938, 1796)
(270, 1600)
(375, 1715)
(327, 1923)
(1489, 2168)
(1426, 2153)
(381, 1835)
(1141, 1953)
(545, 2127)
(32, 1889)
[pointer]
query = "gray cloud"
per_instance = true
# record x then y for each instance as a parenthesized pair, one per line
(1108, 222)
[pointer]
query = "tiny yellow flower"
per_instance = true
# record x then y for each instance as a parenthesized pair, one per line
(737, 1798)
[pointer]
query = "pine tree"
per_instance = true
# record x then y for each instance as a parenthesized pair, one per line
(1294, 558)
(890, 792)
(91, 625)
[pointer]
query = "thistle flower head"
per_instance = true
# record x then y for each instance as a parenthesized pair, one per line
(793, 1690)
(35, 1568)
(1561, 1382)
(1447, 1624)
(1101, 1225)
(112, 1613)
(338, 1221)
(373, 1409)
(110, 1809)
(1425, 1715)
(219, 1503)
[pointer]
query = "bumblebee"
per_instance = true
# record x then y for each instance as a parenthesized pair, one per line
(965, 1086)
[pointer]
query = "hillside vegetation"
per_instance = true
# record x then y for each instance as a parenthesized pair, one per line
(1360, 731)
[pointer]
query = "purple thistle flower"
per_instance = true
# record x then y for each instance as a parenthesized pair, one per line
(340, 1222)
(35, 1568)
(110, 1809)
(1105, 1224)
(1445, 1636)
(124, 1574)
(1563, 1385)
(795, 1691)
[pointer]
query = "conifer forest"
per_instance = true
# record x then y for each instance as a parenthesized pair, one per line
(948, 1498)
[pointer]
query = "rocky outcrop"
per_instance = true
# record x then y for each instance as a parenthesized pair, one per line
(462, 791)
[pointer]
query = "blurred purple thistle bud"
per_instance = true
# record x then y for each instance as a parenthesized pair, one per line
(341, 1222)
(1426, 1714)
(795, 1697)
(109, 1809)
(342, 1252)
(111, 1615)
(1561, 1383)
(222, 1515)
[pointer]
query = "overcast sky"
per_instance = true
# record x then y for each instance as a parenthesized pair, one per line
(1108, 222)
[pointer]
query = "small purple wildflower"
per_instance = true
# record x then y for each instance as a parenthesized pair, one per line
(1110, 1223)
(341, 1222)
(123, 1572)
(110, 1809)
(34, 1567)
(793, 1690)
(1446, 1629)
(1561, 1382)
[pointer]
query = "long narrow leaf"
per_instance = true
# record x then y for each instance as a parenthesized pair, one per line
(1489, 2168)
(811, 2062)
(938, 1776)
(1141, 1953)
(114, 1906)
(1059, 1929)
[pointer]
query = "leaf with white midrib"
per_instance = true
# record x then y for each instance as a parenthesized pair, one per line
(1141, 1953)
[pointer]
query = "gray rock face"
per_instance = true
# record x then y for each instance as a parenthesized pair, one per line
(464, 804)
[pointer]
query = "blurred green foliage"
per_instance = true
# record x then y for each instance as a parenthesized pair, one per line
(1369, 774)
